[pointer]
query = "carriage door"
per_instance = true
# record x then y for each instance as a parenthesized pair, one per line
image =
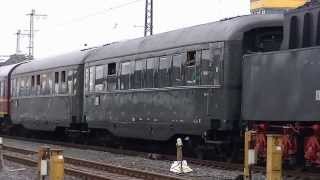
(212, 75)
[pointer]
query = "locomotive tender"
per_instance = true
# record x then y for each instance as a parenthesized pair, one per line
(184, 83)
(281, 90)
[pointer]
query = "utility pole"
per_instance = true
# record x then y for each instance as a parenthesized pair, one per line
(148, 23)
(19, 34)
(18, 51)
(31, 31)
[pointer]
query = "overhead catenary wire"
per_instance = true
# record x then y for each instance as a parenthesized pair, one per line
(79, 19)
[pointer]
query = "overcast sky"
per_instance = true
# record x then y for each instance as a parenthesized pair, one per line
(72, 23)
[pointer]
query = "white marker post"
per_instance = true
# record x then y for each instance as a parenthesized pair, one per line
(180, 166)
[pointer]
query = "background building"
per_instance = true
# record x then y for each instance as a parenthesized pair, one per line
(274, 6)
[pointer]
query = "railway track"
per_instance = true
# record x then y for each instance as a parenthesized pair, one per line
(88, 169)
(294, 174)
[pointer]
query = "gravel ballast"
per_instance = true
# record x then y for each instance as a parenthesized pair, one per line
(199, 172)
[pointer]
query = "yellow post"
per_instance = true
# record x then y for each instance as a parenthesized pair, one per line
(56, 165)
(274, 157)
(247, 143)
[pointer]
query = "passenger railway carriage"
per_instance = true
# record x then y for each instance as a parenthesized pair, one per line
(47, 93)
(184, 83)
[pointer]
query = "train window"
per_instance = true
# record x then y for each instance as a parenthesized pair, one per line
(17, 86)
(207, 68)
(14, 90)
(56, 82)
(150, 73)
(56, 77)
(191, 58)
(112, 79)
(32, 81)
(28, 85)
(190, 68)
(99, 78)
(307, 30)
(21, 91)
(164, 71)
(87, 79)
(99, 72)
(126, 70)
(38, 82)
(63, 76)
(177, 79)
(70, 82)
(63, 86)
(50, 82)
(218, 66)
(139, 74)
(294, 36)
(91, 78)
(75, 81)
(38, 79)
(112, 69)
(44, 84)
(262, 39)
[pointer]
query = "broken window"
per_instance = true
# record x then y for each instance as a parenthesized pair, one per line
(191, 58)
(112, 69)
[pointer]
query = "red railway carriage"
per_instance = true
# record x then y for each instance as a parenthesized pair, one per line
(5, 73)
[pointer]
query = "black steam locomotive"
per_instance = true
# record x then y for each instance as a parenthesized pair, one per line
(281, 92)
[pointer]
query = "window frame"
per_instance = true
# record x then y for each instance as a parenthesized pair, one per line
(126, 75)
(112, 80)
(99, 81)
(139, 83)
(175, 81)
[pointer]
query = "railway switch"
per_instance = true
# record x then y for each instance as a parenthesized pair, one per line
(56, 164)
(180, 166)
(274, 157)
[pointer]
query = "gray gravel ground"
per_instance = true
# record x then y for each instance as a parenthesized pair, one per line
(14, 171)
(199, 172)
